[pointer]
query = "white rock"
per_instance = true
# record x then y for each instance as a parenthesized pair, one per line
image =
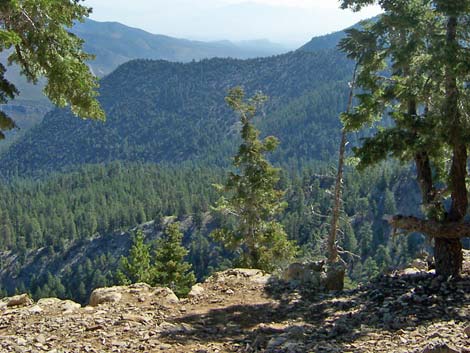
(67, 306)
(410, 271)
(105, 295)
(36, 309)
(196, 291)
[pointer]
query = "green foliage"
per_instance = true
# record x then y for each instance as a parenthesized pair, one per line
(402, 67)
(414, 66)
(136, 267)
(171, 269)
(35, 31)
(77, 205)
(369, 269)
(165, 267)
(253, 198)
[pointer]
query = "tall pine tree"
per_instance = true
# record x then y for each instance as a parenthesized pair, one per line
(415, 67)
(252, 197)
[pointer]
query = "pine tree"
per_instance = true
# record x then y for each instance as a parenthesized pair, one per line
(28, 29)
(415, 67)
(253, 198)
(171, 269)
(137, 266)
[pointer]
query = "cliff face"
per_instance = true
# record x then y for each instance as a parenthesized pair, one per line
(242, 310)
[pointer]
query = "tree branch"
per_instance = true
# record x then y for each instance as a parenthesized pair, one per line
(432, 228)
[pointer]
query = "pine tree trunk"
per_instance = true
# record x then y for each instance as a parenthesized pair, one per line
(448, 253)
(448, 257)
(336, 268)
(332, 247)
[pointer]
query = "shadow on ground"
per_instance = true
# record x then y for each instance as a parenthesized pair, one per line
(389, 303)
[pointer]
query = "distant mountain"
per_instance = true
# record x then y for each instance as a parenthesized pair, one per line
(114, 43)
(173, 112)
(328, 41)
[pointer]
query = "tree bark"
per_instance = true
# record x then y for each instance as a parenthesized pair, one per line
(448, 257)
(332, 246)
(448, 252)
(435, 229)
(425, 180)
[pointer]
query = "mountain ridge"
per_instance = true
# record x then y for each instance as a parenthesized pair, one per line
(176, 112)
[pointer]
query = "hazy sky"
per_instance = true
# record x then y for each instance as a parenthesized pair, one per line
(294, 21)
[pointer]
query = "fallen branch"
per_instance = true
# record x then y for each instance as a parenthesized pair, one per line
(410, 224)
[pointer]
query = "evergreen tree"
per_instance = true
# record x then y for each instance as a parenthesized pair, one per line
(415, 66)
(383, 259)
(252, 195)
(369, 269)
(137, 267)
(365, 240)
(35, 32)
(171, 269)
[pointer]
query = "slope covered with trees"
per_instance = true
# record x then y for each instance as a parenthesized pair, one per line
(67, 229)
(161, 111)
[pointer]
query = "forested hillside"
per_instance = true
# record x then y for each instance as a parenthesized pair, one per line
(113, 44)
(67, 229)
(161, 111)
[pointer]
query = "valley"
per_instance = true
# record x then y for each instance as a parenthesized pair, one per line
(172, 161)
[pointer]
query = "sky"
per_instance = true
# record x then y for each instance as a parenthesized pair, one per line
(291, 22)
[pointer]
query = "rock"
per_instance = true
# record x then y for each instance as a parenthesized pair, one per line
(19, 300)
(244, 272)
(293, 347)
(410, 271)
(135, 318)
(467, 331)
(275, 342)
(105, 295)
(36, 309)
(335, 276)
(311, 273)
(166, 296)
(440, 348)
(66, 306)
(196, 291)
(40, 339)
(419, 264)
(297, 332)
(20, 341)
(253, 275)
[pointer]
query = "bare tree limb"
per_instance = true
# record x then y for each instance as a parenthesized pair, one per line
(432, 228)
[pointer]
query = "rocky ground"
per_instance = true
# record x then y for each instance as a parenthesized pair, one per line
(248, 311)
